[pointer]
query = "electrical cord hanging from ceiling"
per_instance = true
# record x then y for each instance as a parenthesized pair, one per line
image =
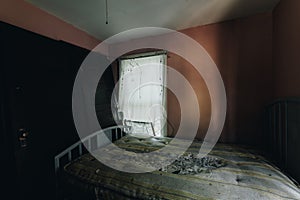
(106, 12)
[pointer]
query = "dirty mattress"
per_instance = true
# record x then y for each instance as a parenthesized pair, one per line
(227, 172)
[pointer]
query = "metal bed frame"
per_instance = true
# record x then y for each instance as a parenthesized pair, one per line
(91, 142)
(277, 129)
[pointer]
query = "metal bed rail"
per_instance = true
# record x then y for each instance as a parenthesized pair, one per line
(276, 124)
(277, 120)
(282, 125)
(113, 133)
(91, 142)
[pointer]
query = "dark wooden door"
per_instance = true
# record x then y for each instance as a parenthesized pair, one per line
(37, 80)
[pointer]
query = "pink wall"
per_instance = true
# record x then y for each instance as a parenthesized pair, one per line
(242, 50)
(286, 41)
(29, 17)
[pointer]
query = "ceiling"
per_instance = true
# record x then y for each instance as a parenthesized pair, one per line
(89, 15)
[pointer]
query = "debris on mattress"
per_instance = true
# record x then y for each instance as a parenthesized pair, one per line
(191, 164)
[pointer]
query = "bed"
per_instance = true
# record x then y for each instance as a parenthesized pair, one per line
(227, 172)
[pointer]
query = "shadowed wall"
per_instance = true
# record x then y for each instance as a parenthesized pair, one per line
(242, 50)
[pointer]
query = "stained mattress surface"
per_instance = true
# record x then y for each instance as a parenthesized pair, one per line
(235, 173)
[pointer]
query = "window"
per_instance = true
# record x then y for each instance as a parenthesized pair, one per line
(142, 95)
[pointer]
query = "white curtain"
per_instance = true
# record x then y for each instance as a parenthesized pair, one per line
(142, 95)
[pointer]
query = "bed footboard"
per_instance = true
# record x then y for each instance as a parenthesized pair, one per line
(89, 143)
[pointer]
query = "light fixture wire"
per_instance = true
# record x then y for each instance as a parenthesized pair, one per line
(106, 12)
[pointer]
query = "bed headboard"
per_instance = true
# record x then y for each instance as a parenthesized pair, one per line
(282, 134)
